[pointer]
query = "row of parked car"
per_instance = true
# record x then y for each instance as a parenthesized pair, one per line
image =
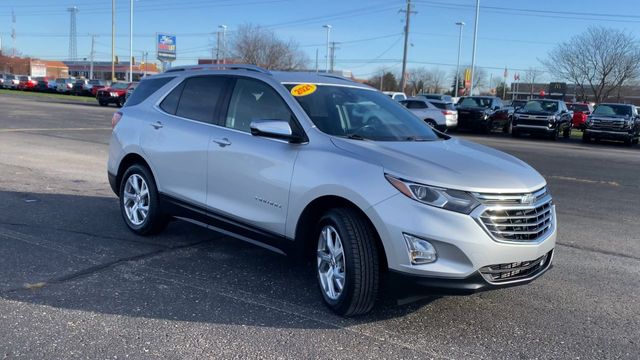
(548, 117)
(105, 92)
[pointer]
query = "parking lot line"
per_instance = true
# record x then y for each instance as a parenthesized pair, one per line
(53, 129)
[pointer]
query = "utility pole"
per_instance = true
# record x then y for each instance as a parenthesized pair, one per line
(13, 33)
(403, 75)
(218, 48)
(224, 42)
(381, 78)
(326, 66)
(93, 39)
(504, 86)
(333, 54)
(316, 60)
(461, 25)
(475, 40)
(131, 42)
(113, 40)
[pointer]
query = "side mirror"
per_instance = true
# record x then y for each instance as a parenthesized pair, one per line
(276, 129)
(496, 107)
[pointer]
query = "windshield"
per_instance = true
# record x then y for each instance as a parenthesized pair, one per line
(541, 105)
(119, 86)
(612, 110)
(24, 78)
(475, 102)
(443, 105)
(94, 82)
(578, 107)
(362, 114)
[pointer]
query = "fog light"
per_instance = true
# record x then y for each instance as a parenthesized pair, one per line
(420, 251)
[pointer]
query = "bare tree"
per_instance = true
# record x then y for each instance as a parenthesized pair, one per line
(438, 80)
(253, 44)
(530, 76)
(600, 59)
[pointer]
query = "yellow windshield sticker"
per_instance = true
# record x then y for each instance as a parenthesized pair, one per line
(303, 90)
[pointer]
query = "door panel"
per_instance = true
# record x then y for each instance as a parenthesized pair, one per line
(249, 176)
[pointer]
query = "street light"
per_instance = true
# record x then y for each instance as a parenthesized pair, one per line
(461, 25)
(475, 39)
(328, 27)
(224, 41)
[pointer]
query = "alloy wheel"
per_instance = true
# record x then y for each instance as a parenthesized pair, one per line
(136, 199)
(331, 262)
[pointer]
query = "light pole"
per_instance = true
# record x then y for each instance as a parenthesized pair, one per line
(461, 25)
(113, 40)
(224, 42)
(131, 42)
(328, 27)
(475, 39)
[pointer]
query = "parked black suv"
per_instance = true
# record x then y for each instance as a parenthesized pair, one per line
(482, 113)
(543, 116)
(613, 121)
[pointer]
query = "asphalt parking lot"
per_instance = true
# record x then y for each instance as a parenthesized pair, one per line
(77, 284)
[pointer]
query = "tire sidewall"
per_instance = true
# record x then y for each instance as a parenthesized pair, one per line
(334, 220)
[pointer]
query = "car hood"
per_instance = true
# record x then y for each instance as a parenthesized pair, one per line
(453, 163)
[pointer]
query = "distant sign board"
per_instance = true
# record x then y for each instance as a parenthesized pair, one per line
(558, 88)
(166, 47)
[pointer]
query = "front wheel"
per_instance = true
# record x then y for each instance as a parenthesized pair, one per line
(347, 262)
(566, 133)
(554, 135)
(140, 203)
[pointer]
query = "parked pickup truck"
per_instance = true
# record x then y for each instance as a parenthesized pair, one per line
(613, 121)
(543, 116)
(483, 113)
(115, 94)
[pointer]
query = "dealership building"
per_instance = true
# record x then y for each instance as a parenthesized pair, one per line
(629, 94)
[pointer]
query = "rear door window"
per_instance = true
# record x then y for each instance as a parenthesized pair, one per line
(170, 102)
(145, 89)
(200, 97)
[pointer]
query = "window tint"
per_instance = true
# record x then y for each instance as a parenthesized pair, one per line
(255, 100)
(170, 102)
(145, 89)
(417, 105)
(200, 97)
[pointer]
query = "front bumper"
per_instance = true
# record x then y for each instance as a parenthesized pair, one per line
(613, 135)
(463, 246)
(537, 129)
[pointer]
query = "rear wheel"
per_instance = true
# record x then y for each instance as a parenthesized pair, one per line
(140, 203)
(347, 262)
(430, 122)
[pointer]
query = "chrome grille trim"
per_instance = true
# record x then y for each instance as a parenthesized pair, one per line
(518, 271)
(506, 219)
(610, 124)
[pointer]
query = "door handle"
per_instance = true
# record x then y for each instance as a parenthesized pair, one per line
(157, 125)
(222, 142)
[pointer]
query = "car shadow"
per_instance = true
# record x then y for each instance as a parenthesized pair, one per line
(73, 252)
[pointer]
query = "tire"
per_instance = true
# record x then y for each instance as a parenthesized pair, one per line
(155, 220)
(586, 138)
(506, 129)
(431, 123)
(515, 133)
(486, 129)
(566, 133)
(628, 142)
(103, 103)
(360, 263)
(636, 140)
(554, 135)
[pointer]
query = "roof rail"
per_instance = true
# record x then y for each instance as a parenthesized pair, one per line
(220, 67)
(334, 76)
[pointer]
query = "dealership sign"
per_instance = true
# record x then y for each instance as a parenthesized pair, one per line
(166, 47)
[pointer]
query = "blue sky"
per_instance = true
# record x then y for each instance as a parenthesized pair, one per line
(511, 33)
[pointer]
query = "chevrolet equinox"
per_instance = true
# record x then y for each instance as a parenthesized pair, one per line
(322, 168)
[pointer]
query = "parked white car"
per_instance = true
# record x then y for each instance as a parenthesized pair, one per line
(427, 112)
(449, 111)
(397, 96)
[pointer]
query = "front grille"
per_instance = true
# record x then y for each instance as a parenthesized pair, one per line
(600, 124)
(518, 217)
(532, 122)
(517, 270)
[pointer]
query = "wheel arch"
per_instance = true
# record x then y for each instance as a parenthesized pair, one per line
(125, 163)
(306, 224)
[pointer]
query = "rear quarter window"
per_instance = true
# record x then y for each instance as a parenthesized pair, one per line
(145, 89)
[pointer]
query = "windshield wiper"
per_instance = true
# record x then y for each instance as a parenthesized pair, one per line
(415, 138)
(355, 137)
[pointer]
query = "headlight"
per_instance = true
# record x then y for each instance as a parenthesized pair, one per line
(114, 94)
(454, 200)
(589, 121)
(630, 123)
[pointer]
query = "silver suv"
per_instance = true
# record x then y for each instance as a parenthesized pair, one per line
(328, 170)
